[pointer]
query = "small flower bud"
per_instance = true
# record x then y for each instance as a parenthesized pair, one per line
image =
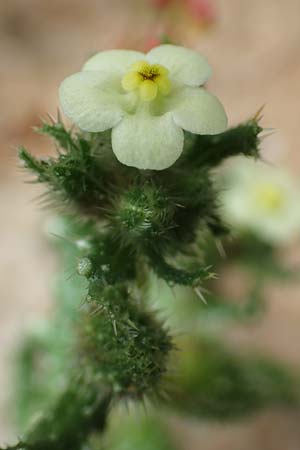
(84, 267)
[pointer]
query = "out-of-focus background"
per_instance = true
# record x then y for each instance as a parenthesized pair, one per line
(254, 50)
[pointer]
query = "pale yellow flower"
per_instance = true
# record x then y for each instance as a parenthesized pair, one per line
(262, 199)
(146, 99)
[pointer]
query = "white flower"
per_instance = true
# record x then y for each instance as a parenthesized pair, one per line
(261, 199)
(147, 100)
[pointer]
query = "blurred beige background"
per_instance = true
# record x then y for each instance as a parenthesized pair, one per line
(254, 49)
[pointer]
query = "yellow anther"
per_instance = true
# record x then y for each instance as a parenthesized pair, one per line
(148, 90)
(161, 70)
(140, 66)
(148, 79)
(269, 196)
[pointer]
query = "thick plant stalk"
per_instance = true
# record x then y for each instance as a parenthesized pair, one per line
(132, 223)
(81, 409)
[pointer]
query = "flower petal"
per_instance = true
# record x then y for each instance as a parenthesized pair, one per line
(164, 84)
(185, 65)
(117, 61)
(147, 142)
(148, 90)
(198, 111)
(91, 101)
(131, 81)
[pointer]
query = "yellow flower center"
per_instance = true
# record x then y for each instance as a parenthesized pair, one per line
(147, 79)
(269, 196)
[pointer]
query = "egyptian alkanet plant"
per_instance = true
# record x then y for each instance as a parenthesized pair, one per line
(133, 181)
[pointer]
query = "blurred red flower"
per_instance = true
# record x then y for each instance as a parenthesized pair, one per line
(203, 10)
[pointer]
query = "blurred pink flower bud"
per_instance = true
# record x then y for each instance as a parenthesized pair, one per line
(202, 9)
(151, 42)
(159, 35)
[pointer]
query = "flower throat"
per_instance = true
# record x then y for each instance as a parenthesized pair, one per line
(148, 80)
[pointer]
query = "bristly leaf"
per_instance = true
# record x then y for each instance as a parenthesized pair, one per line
(212, 150)
(216, 383)
(73, 177)
(81, 409)
(122, 343)
(173, 275)
(59, 133)
(38, 167)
